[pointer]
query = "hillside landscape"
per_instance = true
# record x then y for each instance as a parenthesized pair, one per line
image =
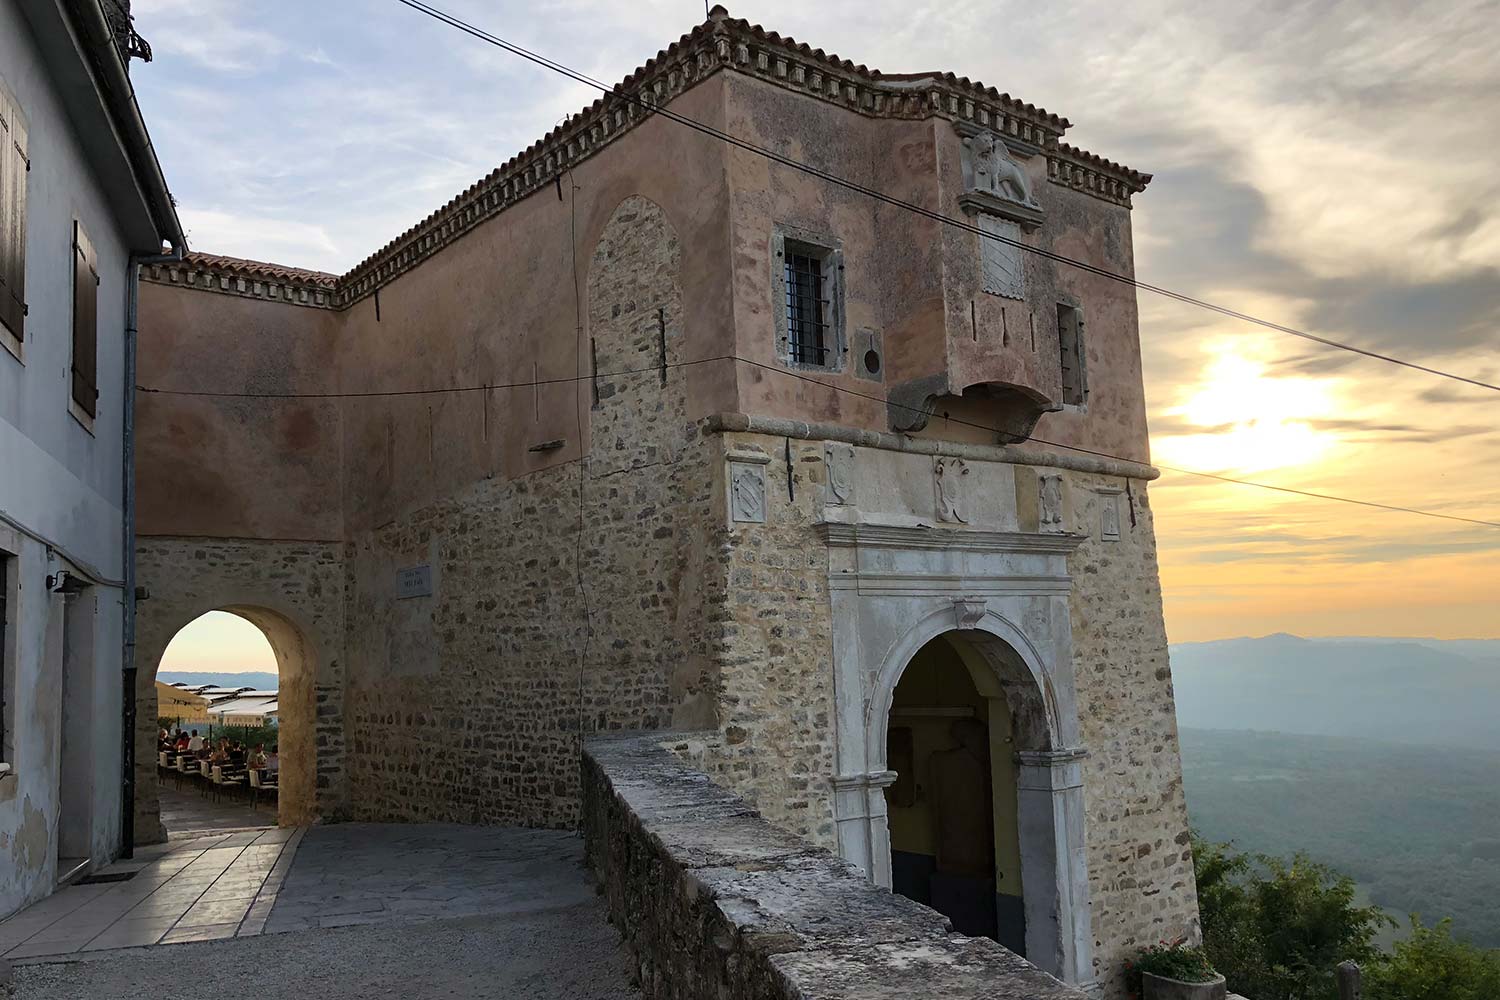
(1379, 757)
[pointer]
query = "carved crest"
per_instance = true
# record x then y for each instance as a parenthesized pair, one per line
(747, 493)
(839, 458)
(949, 476)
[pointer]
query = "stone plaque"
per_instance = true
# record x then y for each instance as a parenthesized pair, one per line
(414, 581)
(1004, 270)
(747, 492)
(1109, 516)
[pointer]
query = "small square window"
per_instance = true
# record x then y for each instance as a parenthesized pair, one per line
(807, 277)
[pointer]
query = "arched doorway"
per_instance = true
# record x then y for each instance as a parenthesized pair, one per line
(292, 660)
(952, 808)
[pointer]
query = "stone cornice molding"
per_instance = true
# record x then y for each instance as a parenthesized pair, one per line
(247, 279)
(862, 534)
(731, 423)
(719, 43)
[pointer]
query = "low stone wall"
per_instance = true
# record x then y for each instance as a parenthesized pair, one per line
(717, 904)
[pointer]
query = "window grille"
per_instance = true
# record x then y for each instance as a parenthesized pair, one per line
(807, 307)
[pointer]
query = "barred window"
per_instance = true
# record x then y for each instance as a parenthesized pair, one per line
(806, 309)
(807, 277)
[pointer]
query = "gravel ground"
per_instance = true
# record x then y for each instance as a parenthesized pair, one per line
(569, 953)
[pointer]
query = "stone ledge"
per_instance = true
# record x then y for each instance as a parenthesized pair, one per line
(715, 902)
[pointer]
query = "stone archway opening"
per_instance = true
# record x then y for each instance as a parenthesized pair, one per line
(952, 808)
(291, 735)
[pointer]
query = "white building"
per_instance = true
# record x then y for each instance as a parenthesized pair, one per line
(82, 201)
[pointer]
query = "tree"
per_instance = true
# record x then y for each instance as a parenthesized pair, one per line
(1432, 965)
(1276, 930)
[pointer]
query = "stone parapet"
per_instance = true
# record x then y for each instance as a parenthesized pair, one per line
(717, 903)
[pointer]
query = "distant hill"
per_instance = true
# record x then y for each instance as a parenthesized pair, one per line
(1422, 691)
(261, 681)
(1418, 827)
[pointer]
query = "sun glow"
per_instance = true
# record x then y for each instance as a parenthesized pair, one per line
(1239, 417)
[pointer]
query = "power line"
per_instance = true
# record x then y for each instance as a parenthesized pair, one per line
(836, 388)
(380, 393)
(927, 213)
(1119, 458)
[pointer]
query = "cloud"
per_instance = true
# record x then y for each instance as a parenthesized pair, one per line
(1326, 166)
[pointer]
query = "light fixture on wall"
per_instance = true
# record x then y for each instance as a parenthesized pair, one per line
(66, 583)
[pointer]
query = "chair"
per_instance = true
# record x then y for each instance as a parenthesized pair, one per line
(221, 781)
(161, 766)
(182, 768)
(206, 774)
(258, 784)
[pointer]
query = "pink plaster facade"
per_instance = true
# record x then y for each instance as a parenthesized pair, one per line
(485, 397)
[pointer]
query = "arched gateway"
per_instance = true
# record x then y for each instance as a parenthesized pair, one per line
(292, 599)
(998, 601)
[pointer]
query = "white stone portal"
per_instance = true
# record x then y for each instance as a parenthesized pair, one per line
(898, 580)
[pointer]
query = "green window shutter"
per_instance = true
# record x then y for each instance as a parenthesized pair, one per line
(85, 322)
(14, 165)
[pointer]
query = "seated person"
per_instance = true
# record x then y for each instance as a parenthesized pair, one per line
(182, 741)
(273, 763)
(257, 757)
(195, 742)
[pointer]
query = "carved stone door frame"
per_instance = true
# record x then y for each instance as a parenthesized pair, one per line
(1003, 595)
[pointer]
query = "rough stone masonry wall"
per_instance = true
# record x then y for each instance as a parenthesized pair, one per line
(718, 904)
(775, 742)
(293, 590)
(1141, 887)
(774, 648)
(550, 615)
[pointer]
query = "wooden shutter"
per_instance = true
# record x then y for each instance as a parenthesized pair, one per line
(13, 167)
(85, 322)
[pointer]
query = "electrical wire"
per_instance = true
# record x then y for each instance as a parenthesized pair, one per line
(851, 392)
(927, 213)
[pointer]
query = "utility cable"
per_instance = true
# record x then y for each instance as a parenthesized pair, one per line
(775, 370)
(927, 213)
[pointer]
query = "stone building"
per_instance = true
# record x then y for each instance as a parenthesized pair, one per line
(645, 430)
(82, 202)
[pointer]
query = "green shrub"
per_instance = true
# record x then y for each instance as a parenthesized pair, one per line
(1169, 960)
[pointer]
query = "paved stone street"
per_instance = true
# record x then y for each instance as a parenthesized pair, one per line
(185, 890)
(563, 954)
(283, 880)
(186, 813)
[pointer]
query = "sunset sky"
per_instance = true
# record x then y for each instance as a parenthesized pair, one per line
(1328, 166)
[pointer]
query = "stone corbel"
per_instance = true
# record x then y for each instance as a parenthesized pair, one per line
(968, 611)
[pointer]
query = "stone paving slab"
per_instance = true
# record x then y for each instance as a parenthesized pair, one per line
(185, 890)
(361, 873)
(245, 884)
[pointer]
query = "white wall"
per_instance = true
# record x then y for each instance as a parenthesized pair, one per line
(62, 483)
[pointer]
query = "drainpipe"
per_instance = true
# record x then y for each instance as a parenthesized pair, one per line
(127, 779)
